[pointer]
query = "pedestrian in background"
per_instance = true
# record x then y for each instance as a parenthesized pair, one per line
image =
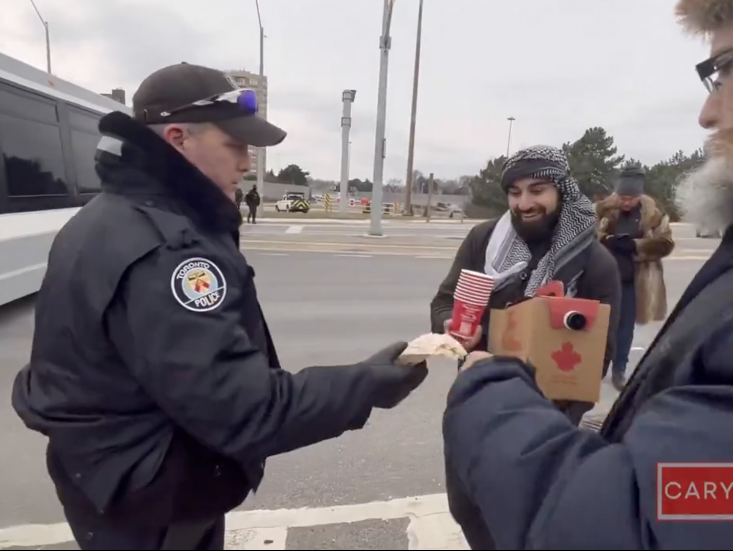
(253, 202)
(638, 235)
(238, 197)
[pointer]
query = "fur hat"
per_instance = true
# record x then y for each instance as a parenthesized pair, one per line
(703, 17)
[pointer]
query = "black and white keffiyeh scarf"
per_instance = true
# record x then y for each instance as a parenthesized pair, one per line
(507, 253)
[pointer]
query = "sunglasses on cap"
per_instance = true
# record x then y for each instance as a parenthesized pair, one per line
(244, 98)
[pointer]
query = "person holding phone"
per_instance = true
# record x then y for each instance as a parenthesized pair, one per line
(638, 235)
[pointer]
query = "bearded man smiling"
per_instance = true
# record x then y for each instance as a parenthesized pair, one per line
(541, 483)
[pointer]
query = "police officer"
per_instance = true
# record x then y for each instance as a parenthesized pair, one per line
(153, 372)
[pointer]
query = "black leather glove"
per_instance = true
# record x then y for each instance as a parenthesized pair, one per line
(394, 382)
(625, 245)
(622, 244)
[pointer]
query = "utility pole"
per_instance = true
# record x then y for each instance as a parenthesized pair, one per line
(413, 116)
(261, 153)
(380, 144)
(509, 140)
(48, 38)
(347, 97)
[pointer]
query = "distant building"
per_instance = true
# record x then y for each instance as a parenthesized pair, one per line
(118, 94)
(245, 79)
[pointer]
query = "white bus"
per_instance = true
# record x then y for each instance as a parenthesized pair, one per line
(48, 138)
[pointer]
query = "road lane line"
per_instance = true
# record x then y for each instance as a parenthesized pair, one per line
(331, 246)
(435, 532)
(269, 539)
(348, 244)
(416, 506)
(294, 229)
(329, 251)
(273, 524)
(373, 251)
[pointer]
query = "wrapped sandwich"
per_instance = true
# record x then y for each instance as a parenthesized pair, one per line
(429, 345)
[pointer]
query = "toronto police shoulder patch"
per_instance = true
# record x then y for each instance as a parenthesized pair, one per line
(198, 285)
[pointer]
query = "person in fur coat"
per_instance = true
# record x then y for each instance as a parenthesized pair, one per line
(637, 232)
(542, 483)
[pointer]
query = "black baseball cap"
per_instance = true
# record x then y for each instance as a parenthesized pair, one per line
(168, 95)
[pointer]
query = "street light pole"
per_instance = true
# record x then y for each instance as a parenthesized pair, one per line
(509, 140)
(348, 158)
(48, 37)
(413, 115)
(261, 151)
(385, 42)
(347, 97)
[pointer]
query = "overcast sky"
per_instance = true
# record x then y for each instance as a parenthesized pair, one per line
(558, 66)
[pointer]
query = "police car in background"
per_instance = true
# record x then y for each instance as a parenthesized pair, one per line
(701, 231)
(293, 202)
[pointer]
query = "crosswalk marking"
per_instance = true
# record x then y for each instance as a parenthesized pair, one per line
(430, 525)
(268, 539)
(417, 506)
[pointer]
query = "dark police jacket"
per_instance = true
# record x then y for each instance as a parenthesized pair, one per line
(152, 370)
(543, 484)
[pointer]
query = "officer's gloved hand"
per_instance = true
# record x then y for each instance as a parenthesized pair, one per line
(394, 382)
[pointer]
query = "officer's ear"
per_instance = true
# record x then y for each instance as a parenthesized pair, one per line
(175, 135)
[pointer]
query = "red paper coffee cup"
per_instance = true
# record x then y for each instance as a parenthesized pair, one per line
(466, 318)
(471, 298)
(470, 275)
(476, 282)
(475, 274)
(471, 282)
(482, 291)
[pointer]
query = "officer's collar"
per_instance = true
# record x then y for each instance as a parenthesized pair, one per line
(128, 145)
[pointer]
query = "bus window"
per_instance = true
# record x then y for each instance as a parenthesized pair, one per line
(33, 158)
(27, 105)
(84, 147)
(84, 140)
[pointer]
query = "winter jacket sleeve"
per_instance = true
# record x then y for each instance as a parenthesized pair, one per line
(204, 371)
(600, 233)
(658, 245)
(542, 483)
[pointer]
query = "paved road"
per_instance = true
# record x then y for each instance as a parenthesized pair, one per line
(405, 238)
(376, 489)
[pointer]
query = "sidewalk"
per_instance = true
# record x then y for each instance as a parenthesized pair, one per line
(386, 221)
(595, 417)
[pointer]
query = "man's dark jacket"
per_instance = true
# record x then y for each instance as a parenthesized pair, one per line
(155, 411)
(542, 483)
(252, 198)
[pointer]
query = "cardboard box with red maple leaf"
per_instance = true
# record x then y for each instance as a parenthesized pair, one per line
(563, 338)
